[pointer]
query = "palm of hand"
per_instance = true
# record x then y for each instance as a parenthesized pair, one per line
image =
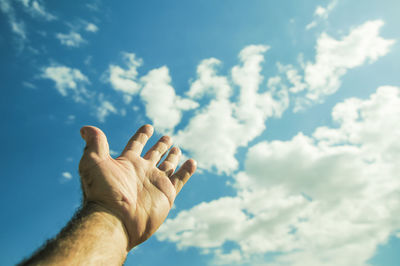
(132, 187)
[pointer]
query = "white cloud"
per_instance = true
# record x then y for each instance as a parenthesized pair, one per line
(95, 6)
(29, 85)
(91, 27)
(230, 121)
(68, 81)
(322, 13)
(294, 78)
(125, 80)
(71, 39)
(246, 117)
(74, 38)
(333, 59)
(104, 108)
(67, 175)
(88, 60)
(163, 106)
(225, 124)
(5, 6)
(325, 199)
(72, 82)
(36, 9)
(17, 26)
(70, 119)
(208, 82)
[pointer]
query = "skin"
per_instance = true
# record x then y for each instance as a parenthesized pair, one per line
(125, 200)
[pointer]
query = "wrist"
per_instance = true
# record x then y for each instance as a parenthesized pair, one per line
(110, 221)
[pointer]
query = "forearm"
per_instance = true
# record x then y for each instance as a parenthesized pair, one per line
(93, 237)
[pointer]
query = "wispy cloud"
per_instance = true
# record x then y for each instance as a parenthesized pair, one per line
(95, 5)
(68, 81)
(77, 28)
(70, 119)
(104, 108)
(71, 39)
(35, 9)
(71, 82)
(29, 85)
(321, 13)
(17, 26)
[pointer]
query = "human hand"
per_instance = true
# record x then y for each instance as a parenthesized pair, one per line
(132, 187)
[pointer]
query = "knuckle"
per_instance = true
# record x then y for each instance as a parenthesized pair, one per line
(167, 165)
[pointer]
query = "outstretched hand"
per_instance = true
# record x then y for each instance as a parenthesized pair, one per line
(137, 190)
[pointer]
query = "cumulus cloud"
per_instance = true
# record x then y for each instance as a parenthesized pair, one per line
(238, 105)
(125, 80)
(163, 106)
(68, 81)
(208, 82)
(321, 13)
(325, 199)
(333, 59)
(228, 124)
(71, 39)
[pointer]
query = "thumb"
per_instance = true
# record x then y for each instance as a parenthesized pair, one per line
(96, 141)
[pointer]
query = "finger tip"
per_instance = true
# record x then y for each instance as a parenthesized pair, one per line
(176, 150)
(147, 129)
(91, 132)
(86, 131)
(82, 131)
(191, 165)
(166, 139)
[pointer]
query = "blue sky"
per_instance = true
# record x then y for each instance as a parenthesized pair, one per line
(290, 108)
